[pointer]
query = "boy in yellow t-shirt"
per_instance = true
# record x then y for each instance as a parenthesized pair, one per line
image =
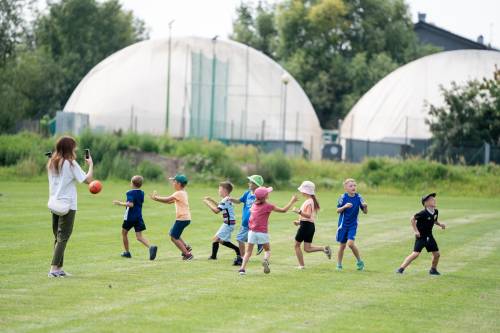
(182, 213)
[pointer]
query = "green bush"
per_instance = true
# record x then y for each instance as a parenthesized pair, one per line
(406, 174)
(275, 168)
(166, 144)
(150, 171)
(149, 144)
(29, 167)
(121, 168)
(14, 148)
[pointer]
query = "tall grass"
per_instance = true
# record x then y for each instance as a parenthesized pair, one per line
(205, 161)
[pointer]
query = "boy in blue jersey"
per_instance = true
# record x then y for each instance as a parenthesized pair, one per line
(133, 217)
(247, 199)
(223, 235)
(348, 208)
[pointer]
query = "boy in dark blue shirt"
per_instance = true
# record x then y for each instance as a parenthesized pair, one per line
(348, 208)
(133, 218)
(422, 224)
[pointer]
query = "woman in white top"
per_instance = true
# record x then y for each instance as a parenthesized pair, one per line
(64, 173)
(307, 216)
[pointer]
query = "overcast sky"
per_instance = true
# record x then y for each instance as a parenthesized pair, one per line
(214, 17)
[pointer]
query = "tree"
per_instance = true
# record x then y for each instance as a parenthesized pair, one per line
(255, 28)
(61, 47)
(11, 27)
(336, 49)
(78, 34)
(469, 117)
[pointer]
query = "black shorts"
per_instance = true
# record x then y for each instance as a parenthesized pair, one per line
(425, 241)
(305, 232)
(138, 225)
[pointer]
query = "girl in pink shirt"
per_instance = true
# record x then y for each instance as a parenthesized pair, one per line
(259, 221)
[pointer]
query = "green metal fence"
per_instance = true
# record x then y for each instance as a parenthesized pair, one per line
(209, 82)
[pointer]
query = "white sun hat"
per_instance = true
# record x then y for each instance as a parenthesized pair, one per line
(307, 187)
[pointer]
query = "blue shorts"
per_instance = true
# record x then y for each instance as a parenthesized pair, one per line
(345, 233)
(243, 234)
(178, 228)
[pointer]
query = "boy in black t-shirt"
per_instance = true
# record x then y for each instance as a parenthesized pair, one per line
(422, 224)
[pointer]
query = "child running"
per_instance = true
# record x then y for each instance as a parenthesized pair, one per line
(182, 213)
(348, 208)
(307, 215)
(223, 235)
(422, 224)
(258, 224)
(247, 199)
(133, 217)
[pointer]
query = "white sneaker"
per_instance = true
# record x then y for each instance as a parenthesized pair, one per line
(267, 270)
(300, 267)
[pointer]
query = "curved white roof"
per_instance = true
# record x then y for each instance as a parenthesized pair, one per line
(129, 90)
(395, 108)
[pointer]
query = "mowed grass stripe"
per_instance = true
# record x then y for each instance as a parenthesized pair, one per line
(211, 297)
(338, 294)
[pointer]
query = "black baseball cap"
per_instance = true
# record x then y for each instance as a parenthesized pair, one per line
(425, 197)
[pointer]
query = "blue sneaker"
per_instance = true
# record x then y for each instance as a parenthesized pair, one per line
(126, 254)
(152, 252)
(339, 267)
(360, 265)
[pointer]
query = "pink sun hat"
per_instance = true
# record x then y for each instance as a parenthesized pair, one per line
(307, 187)
(262, 192)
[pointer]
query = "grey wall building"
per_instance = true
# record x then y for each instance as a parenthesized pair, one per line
(430, 34)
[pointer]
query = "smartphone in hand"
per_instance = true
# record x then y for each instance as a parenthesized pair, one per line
(87, 153)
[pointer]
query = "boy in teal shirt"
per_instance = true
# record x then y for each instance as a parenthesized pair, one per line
(247, 199)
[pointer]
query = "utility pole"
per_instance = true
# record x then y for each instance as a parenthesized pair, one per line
(212, 104)
(168, 75)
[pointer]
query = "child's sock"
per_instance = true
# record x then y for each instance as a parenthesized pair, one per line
(215, 249)
(232, 246)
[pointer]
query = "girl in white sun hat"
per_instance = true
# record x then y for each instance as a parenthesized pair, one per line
(307, 216)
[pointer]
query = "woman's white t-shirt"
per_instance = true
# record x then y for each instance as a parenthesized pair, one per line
(70, 173)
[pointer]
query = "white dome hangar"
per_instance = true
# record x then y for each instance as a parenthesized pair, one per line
(244, 98)
(395, 109)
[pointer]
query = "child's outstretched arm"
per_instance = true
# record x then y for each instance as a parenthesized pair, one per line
(414, 226)
(289, 205)
(211, 204)
(442, 225)
(235, 201)
(125, 204)
(344, 207)
(156, 197)
(364, 207)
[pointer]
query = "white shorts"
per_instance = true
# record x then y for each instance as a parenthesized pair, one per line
(258, 237)
(224, 232)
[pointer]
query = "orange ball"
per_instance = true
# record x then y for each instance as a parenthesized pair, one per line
(95, 187)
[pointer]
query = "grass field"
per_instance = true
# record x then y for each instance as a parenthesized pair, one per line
(109, 294)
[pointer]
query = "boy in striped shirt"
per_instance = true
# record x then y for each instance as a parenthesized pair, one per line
(223, 235)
